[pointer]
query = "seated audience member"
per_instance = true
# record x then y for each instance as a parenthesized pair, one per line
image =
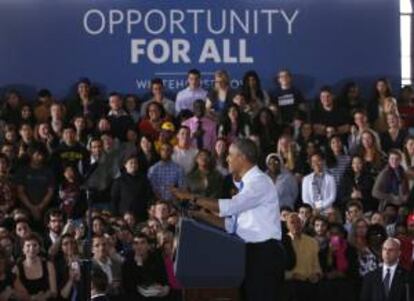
(165, 174)
(328, 114)
(158, 96)
(204, 179)
(391, 185)
(305, 275)
(144, 273)
(131, 192)
(288, 98)
(318, 188)
(184, 153)
(203, 129)
(285, 182)
(390, 281)
(37, 275)
(221, 95)
(185, 98)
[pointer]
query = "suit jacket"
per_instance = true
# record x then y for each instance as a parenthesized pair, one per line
(373, 288)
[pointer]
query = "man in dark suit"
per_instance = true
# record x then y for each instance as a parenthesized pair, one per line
(99, 285)
(390, 282)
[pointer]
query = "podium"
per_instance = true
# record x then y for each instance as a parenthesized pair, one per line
(209, 263)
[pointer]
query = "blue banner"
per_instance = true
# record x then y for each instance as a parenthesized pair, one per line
(121, 45)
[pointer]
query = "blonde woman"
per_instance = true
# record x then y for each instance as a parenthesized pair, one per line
(221, 95)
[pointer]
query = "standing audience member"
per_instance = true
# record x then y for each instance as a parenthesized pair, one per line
(319, 188)
(389, 282)
(185, 98)
(306, 274)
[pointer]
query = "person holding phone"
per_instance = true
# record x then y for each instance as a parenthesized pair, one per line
(68, 270)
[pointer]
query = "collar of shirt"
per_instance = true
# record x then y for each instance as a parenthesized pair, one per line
(392, 268)
(53, 236)
(249, 174)
(117, 113)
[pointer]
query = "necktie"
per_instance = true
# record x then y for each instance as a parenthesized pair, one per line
(200, 141)
(236, 216)
(387, 282)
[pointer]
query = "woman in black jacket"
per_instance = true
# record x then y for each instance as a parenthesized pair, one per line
(358, 183)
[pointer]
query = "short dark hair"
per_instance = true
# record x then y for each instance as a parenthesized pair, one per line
(44, 93)
(114, 93)
(195, 72)
(326, 89)
(248, 148)
(157, 81)
(354, 203)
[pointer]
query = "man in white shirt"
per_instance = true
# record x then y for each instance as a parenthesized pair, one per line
(157, 91)
(253, 215)
(184, 153)
(318, 188)
(390, 282)
(186, 97)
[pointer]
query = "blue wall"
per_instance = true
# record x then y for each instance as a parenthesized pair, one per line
(53, 43)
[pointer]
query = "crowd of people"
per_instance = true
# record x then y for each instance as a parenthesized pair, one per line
(342, 165)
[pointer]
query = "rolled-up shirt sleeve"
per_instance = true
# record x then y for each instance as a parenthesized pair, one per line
(247, 199)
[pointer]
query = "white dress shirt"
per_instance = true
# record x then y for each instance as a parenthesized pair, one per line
(392, 268)
(327, 191)
(185, 98)
(256, 208)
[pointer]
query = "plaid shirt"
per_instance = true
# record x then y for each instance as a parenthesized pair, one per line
(164, 175)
